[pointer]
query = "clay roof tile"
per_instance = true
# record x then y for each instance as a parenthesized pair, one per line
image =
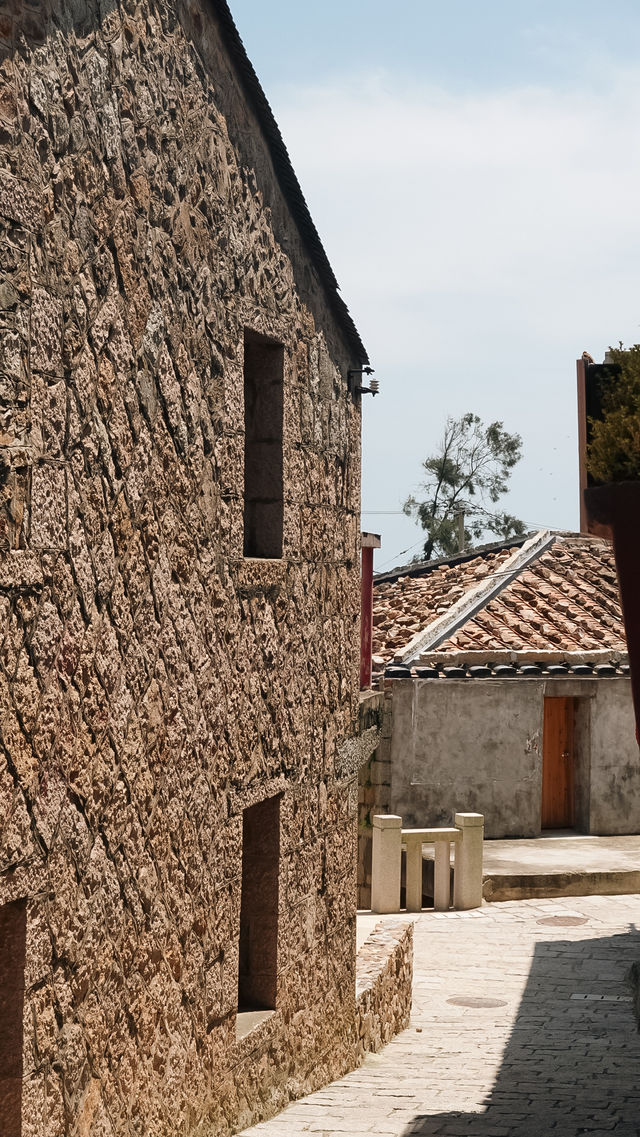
(566, 599)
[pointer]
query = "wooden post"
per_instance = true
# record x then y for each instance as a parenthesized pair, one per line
(460, 528)
(582, 441)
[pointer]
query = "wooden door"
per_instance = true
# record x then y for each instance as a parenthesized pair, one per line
(557, 764)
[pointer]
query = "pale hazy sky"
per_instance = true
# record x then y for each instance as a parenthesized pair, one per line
(474, 173)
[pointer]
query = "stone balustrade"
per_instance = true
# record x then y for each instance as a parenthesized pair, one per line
(466, 835)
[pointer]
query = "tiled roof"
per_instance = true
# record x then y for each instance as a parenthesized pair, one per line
(565, 599)
(616, 665)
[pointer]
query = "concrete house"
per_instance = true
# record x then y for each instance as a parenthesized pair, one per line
(507, 693)
(179, 588)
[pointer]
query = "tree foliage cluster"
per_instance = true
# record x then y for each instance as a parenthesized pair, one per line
(614, 448)
(470, 470)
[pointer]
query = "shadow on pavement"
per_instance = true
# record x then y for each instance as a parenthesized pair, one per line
(572, 1062)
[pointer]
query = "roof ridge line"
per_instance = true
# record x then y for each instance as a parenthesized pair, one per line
(475, 598)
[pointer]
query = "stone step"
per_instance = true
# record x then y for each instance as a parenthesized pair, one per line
(537, 885)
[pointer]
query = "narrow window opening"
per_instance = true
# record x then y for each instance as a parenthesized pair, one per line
(263, 416)
(257, 979)
(13, 938)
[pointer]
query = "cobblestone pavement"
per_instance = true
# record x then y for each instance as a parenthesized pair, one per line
(554, 1050)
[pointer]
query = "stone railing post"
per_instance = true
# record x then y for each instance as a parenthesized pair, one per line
(413, 871)
(467, 877)
(442, 876)
(386, 859)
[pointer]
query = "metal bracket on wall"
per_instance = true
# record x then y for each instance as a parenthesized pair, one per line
(355, 387)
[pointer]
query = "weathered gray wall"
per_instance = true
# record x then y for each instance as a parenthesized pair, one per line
(477, 745)
(470, 746)
(614, 800)
(153, 683)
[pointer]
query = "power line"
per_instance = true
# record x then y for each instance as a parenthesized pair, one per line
(532, 526)
(403, 553)
(470, 513)
(476, 509)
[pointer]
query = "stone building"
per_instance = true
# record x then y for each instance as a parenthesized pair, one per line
(179, 588)
(507, 693)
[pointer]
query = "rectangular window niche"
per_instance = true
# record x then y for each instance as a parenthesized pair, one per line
(257, 979)
(263, 464)
(13, 938)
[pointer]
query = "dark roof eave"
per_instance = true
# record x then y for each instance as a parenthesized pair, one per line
(287, 178)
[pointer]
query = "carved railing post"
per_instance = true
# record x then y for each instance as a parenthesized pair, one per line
(386, 860)
(467, 876)
(388, 839)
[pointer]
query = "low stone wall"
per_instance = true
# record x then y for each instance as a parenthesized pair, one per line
(384, 975)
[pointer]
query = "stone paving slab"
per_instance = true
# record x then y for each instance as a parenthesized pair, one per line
(561, 864)
(551, 1049)
(562, 851)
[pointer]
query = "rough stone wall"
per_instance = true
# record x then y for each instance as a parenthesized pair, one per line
(384, 973)
(153, 683)
(374, 795)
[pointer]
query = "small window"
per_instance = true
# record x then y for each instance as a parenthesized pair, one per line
(263, 413)
(13, 936)
(257, 979)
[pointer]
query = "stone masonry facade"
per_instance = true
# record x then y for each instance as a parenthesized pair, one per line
(156, 683)
(374, 791)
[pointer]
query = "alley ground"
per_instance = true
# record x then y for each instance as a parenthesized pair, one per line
(522, 1025)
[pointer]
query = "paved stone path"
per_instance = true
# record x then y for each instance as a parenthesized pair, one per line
(555, 1050)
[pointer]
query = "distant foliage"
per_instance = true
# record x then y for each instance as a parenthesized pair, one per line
(614, 449)
(471, 468)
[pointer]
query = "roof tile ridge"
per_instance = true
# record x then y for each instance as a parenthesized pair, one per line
(475, 598)
(468, 657)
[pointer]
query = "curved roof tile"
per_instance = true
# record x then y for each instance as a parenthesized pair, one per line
(567, 599)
